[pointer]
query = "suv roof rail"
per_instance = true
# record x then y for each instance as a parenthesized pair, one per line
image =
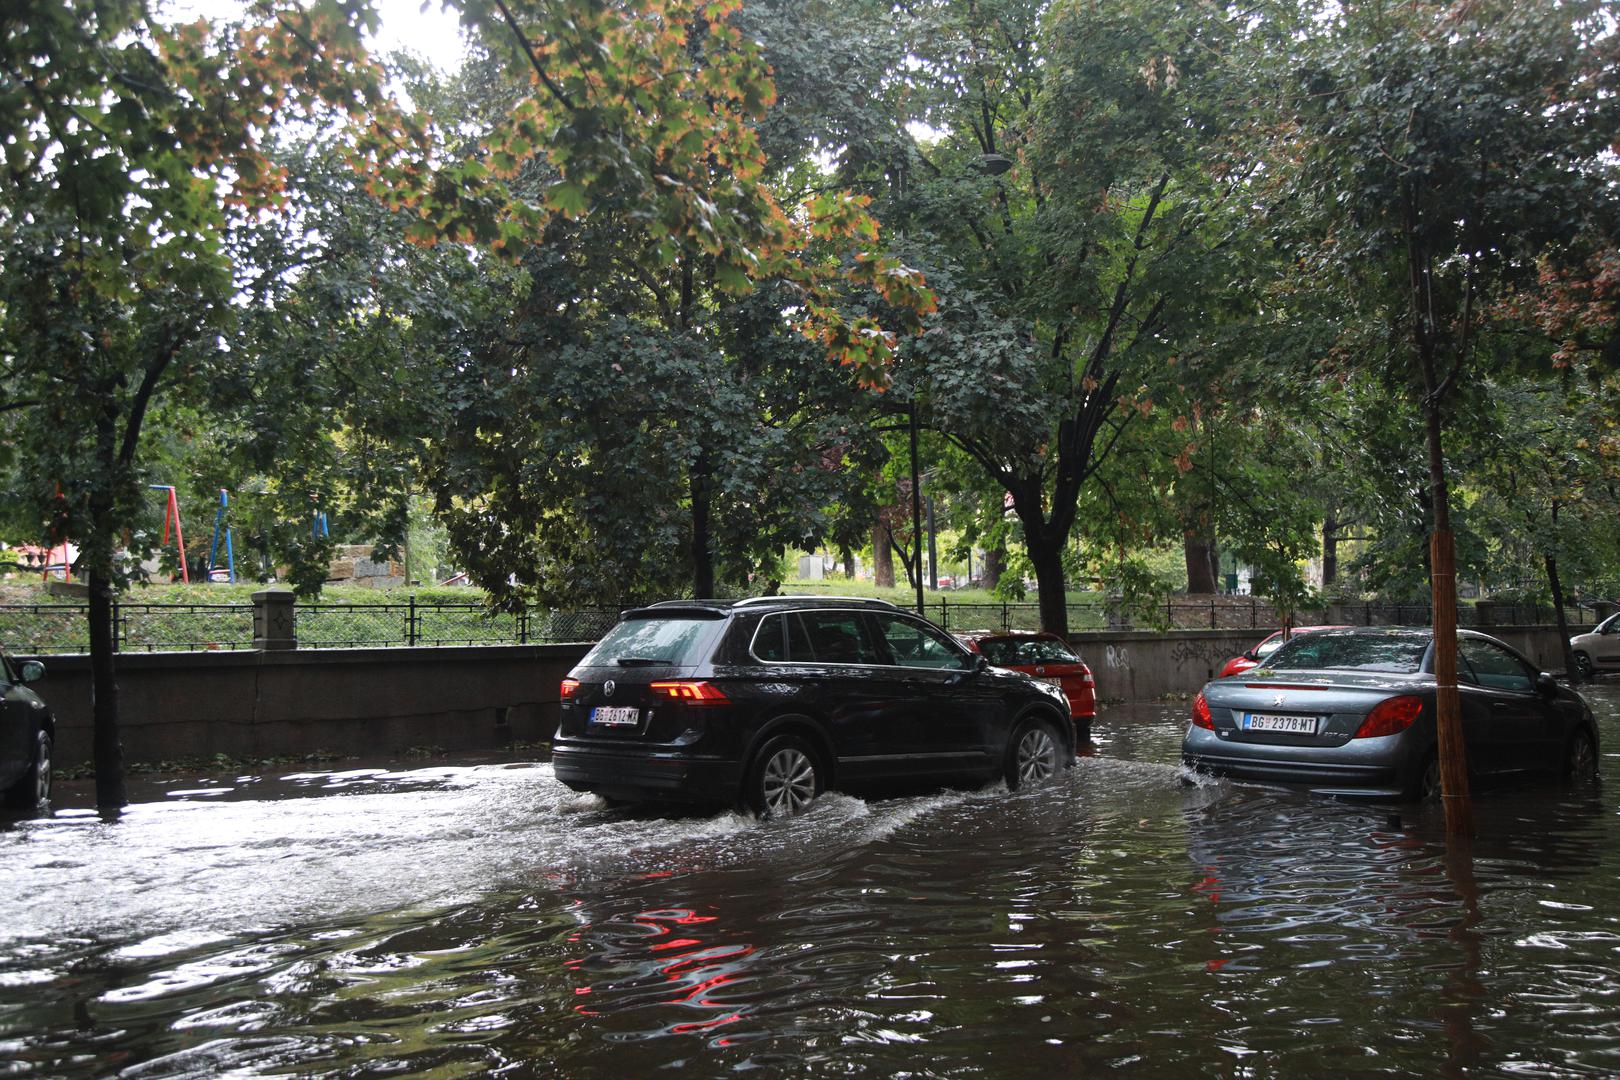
(840, 601)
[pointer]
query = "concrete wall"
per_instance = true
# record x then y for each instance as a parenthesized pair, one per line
(1143, 665)
(349, 701)
(379, 701)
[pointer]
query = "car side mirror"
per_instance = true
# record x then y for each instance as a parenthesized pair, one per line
(31, 671)
(1546, 685)
(1252, 655)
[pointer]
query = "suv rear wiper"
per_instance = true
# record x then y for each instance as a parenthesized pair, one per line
(641, 661)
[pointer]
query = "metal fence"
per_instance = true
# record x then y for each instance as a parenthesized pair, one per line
(32, 629)
(1234, 613)
(43, 629)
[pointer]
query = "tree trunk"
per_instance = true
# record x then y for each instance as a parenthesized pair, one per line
(1330, 551)
(108, 749)
(990, 567)
(1453, 752)
(1571, 669)
(847, 557)
(1200, 556)
(702, 553)
(882, 558)
(1047, 556)
(933, 549)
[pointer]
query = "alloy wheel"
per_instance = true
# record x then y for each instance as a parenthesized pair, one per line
(1037, 755)
(1582, 764)
(1584, 664)
(42, 769)
(789, 782)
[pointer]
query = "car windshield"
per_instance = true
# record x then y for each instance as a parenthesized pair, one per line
(651, 639)
(1400, 654)
(1012, 651)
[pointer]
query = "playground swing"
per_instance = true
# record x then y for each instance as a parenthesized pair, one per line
(222, 527)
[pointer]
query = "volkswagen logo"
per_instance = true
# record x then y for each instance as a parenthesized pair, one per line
(609, 686)
(1278, 700)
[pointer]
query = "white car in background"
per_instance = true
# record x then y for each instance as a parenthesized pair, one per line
(1599, 650)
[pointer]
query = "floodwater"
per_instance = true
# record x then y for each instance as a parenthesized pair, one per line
(481, 919)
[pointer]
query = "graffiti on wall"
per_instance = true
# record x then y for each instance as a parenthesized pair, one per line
(1204, 652)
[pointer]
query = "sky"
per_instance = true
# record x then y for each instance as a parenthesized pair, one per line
(424, 28)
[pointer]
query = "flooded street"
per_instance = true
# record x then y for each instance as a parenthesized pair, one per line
(473, 919)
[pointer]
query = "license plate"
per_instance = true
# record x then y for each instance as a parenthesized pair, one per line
(1292, 725)
(1053, 679)
(616, 715)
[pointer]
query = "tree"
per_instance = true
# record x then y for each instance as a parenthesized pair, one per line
(1074, 222)
(1444, 150)
(133, 150)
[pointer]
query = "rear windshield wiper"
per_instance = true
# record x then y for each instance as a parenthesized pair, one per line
(641, 661)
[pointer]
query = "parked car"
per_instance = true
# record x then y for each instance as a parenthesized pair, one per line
(1351, 712)
(1599, 650)
(768, 702)
(1047, 657)
(27, 732)
(1253, 658)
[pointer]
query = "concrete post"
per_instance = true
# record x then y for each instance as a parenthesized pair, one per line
(274, 628)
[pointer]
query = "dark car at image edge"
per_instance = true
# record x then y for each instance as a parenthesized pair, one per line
(1352, 712)
(27, 734)
(767, 702)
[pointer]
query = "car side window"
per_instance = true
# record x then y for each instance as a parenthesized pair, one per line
(832, 637)
(915, 645)
(1495, 667)
(770, 639)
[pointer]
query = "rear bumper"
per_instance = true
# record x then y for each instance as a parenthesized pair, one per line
(648, 774)
(1367, 770)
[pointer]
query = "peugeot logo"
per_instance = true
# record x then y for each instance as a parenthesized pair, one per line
(609, 686)
(1278, 700)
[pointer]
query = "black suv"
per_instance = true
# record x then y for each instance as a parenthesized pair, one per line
(765, 703)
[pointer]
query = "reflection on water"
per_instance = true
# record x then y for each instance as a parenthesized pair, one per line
(469, 920)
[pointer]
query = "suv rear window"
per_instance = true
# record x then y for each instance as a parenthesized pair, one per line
(1398, 654)
(676, 640)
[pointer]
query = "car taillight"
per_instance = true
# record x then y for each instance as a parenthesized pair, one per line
(1200, 716)
(691, 691)
(1087, 678)
(568, 688)
(1390, 717)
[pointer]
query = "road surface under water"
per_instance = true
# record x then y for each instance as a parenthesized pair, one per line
(480, 919)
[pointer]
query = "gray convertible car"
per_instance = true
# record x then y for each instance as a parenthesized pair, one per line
(1351, 712)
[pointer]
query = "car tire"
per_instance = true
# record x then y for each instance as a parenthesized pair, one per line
(784, 778)
(1034, 754)
(1580, 759)
(1583, 664)
(33, 787)
(1425, 786)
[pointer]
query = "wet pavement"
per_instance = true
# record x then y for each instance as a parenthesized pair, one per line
(479, 918)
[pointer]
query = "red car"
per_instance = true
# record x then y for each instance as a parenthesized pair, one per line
(1253, 658)
(1047, 657)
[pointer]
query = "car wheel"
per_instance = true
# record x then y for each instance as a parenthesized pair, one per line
(1034, 754)
(784, 778)
(1583, 664)
(1580, 759)
(33, 787)
(1426, 784)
